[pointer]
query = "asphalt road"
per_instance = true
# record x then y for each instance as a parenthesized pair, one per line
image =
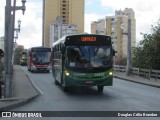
(122, 96)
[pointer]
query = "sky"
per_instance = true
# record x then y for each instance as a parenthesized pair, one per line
(147, 13)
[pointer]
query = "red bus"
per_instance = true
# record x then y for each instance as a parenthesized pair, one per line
(39, 59)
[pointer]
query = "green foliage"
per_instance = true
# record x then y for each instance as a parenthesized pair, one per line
(148, 54)
(17, 55)
(1, 70)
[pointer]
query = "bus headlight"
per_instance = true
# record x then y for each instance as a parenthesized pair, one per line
(110, 73)
(67, 73)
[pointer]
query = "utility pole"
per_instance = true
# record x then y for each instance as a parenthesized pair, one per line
(128, 67)
(128, 33)
(8, 44)
(12, 34)
(7, 59)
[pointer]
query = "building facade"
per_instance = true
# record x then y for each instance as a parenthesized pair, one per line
(72, 12)
(117, 27)
(94, 27)
(98, 27)
(58, 29)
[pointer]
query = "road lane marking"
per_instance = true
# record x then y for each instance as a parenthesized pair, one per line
(34, 85)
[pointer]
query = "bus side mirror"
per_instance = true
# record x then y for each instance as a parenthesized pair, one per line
(113, 52)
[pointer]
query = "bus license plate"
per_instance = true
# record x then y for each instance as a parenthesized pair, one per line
(89, 82)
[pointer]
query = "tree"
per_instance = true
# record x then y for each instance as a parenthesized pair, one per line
(123, 61)
(17, 52)
(148, 54)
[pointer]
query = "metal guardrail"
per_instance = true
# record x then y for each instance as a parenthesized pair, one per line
(146, 73)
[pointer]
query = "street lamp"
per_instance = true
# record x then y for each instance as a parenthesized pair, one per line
(17, 31)
(23, 7)
(16, 37)
(128, 33)
(19, 26)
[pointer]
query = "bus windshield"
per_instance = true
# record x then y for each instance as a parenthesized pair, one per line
(88, 56)
(24, 56)
(41, 57)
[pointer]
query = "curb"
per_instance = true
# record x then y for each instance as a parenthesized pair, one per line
(16, 102)
(136, 81)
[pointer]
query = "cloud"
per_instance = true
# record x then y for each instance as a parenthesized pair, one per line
(31, 26)
(89, 2)
(2, 4)
(146, 12)
(139, 5)
(88, 19)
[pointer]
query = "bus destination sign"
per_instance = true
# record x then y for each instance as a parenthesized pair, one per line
(88, 39)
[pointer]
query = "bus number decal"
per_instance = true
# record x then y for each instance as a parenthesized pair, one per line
(72, 64)
(99, 74)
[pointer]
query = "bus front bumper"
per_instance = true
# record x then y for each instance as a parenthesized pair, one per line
(102, 82)
(35, 68)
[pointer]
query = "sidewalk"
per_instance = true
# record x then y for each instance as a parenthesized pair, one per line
(23, 90)
(137, 79)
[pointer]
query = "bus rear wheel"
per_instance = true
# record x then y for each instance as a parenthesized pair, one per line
(100, 88)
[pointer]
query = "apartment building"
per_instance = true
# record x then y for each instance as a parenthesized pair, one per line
(94, 27)
(98, 27)
(117, 27)
(72, 12)
(58, 30)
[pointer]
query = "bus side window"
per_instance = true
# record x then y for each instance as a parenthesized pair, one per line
(60, 47)
(55, 51)
(52, 52)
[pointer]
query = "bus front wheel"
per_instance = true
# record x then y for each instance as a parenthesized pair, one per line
(56, 82)
(65, 89)
(100, 88)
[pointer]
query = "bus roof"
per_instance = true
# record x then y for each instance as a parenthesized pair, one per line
(62, 40)
(23, 52)
(39, 47)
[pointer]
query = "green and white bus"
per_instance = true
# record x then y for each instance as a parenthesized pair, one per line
(83, 60)
(23, 58)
